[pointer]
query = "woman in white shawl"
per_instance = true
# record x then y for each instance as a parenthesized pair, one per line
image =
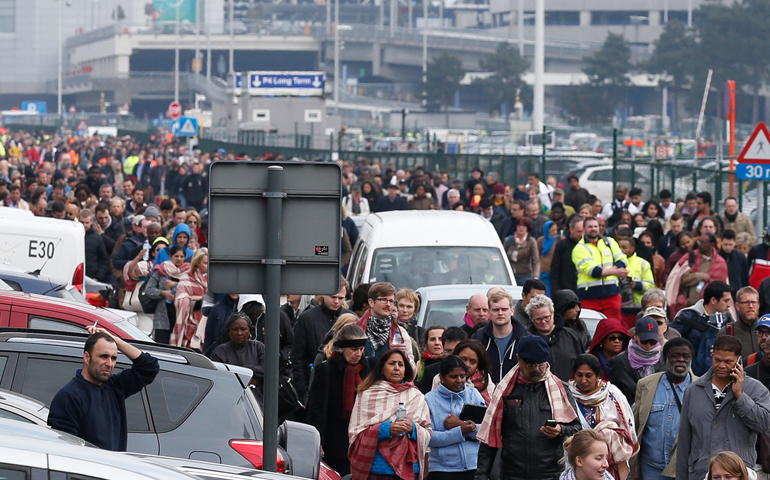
(604, 408)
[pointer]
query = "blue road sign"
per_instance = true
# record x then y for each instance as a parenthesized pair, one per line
(35, 107)
(185, 127)
(752, 171)
(301, 84)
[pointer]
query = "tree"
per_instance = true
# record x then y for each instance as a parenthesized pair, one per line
(608, 67)
(672, 59)
(443, 79)
(586, 102)
(507, 68)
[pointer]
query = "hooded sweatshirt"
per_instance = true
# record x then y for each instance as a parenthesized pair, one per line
(165, 254)
(606, 327)
(564, 300)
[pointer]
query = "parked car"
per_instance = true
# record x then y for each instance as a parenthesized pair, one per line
(27, 310)
(438, 301)
(427, 247)
(29, 452)
(597, 179)
(195, 409)
(15, 406)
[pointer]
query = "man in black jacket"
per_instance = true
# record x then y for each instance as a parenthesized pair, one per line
(623, 374)
(97, 260)
(501, 335)
(737, 265)
(111, 229)
(129, 248)
(563, 271)
(196, 187)
(531, 448)
(215, 325)
(667, 243)
(92, 405)
(392, 201)
(309, 333)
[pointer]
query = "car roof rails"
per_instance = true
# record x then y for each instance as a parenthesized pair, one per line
(167, 352)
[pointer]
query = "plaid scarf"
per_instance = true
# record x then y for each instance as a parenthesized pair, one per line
(187, 319)
(491, 428)
(378, 330)
(376, 405)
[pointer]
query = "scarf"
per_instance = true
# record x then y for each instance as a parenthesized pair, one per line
(479, 381)
(730, 218)
(641, 360)
(350, 382)
(569, 474)
(468, 320)
(605, 362)
(548, 240)
(598, 396)
(168, 269)
(427, 359)
(378, 331)
(491, 428)
(376, 405)
(187, 318)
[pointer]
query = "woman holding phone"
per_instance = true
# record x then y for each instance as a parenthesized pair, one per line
(454, 448)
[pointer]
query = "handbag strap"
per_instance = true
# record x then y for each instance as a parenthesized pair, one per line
(676, 395)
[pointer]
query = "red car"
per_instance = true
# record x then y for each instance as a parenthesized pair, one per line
(27, 310)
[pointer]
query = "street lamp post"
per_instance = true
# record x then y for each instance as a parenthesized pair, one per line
(337, 78)
(538, 103)
(60, 79)
(232, 39)
(176, 53)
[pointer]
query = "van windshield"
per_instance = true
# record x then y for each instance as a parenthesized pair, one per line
(415, 267)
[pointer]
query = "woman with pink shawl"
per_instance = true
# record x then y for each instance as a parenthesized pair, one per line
(189, 298)
(382, 445)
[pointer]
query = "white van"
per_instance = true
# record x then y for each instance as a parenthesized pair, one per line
(54, 248)
(420, 248)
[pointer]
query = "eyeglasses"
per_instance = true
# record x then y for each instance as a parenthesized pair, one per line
(193, 222)
(541, 319)
(748, 302)
(386, 301)
(615, 338)
(538, 365)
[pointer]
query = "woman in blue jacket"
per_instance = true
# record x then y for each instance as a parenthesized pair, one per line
(454, 448)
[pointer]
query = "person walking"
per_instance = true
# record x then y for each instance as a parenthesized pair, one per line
(563, 272)
(243, 350)
(722, 410)
(529, 416)
(745, 327)
(657, 408)
(390, 424)
(564, 344)
(600, 264)
(188, 301)
(588, 457)
(523, 252)
(602, 407)
(610, 339)
(642, 358)
(454, 448)
(501, 335)
(332, 394)
(382, 330)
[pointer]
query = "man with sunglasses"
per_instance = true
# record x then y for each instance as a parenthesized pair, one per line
(745, 328)
(763, 333)
(640, 360)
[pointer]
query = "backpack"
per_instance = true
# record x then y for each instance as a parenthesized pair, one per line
(702, 361)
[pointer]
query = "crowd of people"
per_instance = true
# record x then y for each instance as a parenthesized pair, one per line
(673, 383)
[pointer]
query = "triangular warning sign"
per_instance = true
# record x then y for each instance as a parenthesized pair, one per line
(187, 127)
(757, 149)
(82, 126)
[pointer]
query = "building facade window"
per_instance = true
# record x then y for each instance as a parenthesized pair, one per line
(619, 17)
(555, 17)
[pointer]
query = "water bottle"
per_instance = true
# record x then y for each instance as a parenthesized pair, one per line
(146, 247)
(699, 287)
(401, 413)
(397, 338)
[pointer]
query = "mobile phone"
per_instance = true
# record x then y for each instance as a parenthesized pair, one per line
(551, 423)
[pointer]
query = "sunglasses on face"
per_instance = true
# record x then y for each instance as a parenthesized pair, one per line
(648, 342)
(615, 338)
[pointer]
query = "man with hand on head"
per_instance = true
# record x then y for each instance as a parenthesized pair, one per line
(92, 405)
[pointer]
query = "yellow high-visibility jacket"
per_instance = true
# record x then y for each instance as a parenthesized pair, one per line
(590, 259)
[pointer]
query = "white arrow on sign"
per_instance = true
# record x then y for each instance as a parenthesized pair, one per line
(316, 82)
(255, 82)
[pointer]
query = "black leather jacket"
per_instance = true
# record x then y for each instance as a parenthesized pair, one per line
(527, 452)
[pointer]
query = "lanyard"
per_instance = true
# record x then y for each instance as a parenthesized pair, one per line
(676, 395)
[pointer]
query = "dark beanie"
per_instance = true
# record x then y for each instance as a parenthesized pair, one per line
(533, 349)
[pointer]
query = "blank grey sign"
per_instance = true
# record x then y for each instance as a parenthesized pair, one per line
(311, 234)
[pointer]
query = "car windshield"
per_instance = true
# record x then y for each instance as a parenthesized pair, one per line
(449, 313)
(414, 267)
(135, 332)
(5, 286)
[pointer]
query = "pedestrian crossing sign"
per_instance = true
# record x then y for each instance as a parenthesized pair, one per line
(185, 127)
(757, 149)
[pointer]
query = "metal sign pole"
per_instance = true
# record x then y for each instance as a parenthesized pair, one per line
(273, 264)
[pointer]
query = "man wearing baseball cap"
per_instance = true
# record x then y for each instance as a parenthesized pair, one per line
(529, 416)
(659, 315)
(641, 359)
(763, 332)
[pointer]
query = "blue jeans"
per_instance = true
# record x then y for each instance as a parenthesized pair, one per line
(652, 473)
